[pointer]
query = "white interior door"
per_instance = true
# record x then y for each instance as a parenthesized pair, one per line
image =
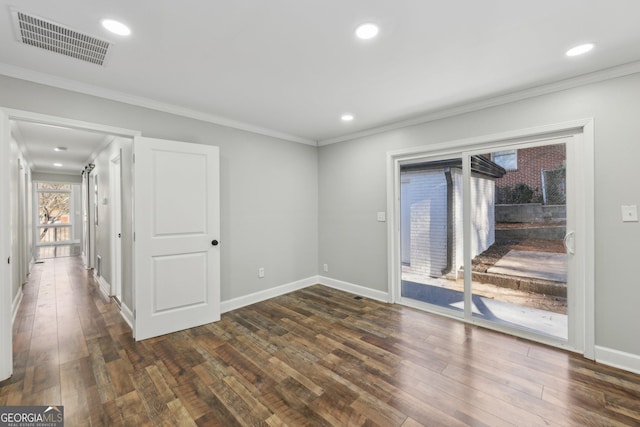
(6, 345)
(116, 234)
(177, 227)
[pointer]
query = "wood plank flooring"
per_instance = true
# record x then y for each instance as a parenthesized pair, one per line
(315, 357)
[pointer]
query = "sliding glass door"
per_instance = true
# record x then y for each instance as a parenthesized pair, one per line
(431, 250)
(487, 235)
(519, 264)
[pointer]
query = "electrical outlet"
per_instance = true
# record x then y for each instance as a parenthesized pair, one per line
(261, 272)
(325, 268)
(630, 213)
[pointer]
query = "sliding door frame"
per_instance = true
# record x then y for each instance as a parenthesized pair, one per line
(581, 131)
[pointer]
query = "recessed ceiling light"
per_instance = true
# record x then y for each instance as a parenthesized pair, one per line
(580, 49)
(58, 165)
(346, 117)
(116, 27)
(367, 31)
(60, 149)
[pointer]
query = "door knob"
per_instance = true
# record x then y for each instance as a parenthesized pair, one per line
(214, 242)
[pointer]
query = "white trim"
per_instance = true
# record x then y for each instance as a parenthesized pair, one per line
(103, 285)
(587, 158)
(583, 128)
(29, 116)
(16, 305)
(126, 314)
(355, 289)
(468, 107)
(532, 134)
(618, 359)
(260, 296)
(87, 89)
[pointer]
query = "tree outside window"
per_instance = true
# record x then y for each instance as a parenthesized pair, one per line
(53, 206)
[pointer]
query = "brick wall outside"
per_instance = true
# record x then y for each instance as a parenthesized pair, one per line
(530, 162)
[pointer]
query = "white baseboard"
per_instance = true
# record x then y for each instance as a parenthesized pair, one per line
(355, 289)
(256, 297)
(103, 285)
(127, 315)
(16, 305)
(618, 359)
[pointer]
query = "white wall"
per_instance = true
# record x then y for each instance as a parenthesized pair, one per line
(16, 233)
(103, 232)
(353, 188)
(269, 187)
(20, 221)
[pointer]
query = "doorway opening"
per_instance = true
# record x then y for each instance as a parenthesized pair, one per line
(44, 159)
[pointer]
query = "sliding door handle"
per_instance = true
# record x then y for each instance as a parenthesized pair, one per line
(569, 242)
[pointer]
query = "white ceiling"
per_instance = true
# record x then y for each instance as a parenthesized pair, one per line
(38, 143)
(294, 66)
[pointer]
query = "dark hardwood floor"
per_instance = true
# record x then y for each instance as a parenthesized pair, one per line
(312, 357)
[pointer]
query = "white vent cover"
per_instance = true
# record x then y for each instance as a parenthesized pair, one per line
(53, 37)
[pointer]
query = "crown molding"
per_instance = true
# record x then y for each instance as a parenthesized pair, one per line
(87, 89)
(583, 80)
(67, 84)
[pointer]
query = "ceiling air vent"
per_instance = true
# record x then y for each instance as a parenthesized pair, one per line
(53, 37)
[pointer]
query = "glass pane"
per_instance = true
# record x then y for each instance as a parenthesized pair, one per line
(53, 208)
(53, 186)
(519, 265)
(507, 159)
(54, 234)
(431, 232)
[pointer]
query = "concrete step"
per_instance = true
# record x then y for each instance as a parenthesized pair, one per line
(528, 284)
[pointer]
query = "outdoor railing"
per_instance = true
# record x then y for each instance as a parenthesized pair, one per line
(52, 234)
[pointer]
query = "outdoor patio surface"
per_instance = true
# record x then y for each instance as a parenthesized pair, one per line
(527, 318)
(538, 265)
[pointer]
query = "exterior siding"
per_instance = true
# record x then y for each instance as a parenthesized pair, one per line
(427, 203)
(424, 220)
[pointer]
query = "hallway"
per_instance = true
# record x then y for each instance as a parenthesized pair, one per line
(65, 336)
(316, 356)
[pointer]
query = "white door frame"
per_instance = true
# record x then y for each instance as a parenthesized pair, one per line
(6, 344)
(582, 130)
(116, 220)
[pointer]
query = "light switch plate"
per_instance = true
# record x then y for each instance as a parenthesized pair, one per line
(629, 213)
(382, 216)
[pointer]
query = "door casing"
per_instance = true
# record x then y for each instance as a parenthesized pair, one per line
(7, 114)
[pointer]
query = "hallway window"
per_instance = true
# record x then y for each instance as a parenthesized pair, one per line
(54, 213)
